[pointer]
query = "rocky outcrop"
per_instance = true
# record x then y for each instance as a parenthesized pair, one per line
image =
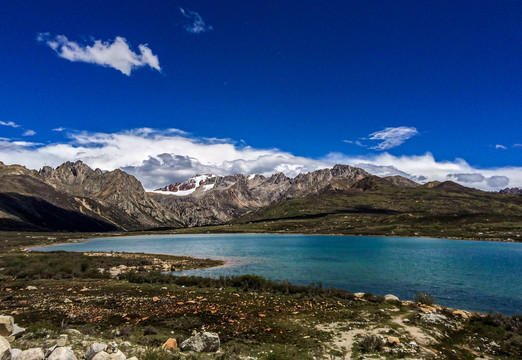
(202, 342)
(130, 206)
(514, 190)
(232, 196)
(74, 197)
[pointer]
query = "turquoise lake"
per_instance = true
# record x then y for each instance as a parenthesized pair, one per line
(471, 275)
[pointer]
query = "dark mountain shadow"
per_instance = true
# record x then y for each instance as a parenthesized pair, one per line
(32, 213)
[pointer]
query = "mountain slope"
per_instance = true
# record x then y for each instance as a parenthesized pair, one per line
(375, 206)
(217, 200)
(88, 200)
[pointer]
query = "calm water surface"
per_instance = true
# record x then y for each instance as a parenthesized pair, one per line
(472, 275)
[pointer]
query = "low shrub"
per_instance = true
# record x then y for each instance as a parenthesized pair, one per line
(371, 343)
(424, 298)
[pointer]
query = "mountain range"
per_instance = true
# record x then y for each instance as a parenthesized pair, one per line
(342, 199)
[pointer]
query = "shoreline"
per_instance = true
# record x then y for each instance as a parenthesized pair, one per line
(161, 233)
(230, 261)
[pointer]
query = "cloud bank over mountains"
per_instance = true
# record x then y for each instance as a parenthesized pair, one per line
(160, 157)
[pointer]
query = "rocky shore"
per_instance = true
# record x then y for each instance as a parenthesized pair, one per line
(130, 309)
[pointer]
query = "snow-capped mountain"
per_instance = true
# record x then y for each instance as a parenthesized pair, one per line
(203, 182)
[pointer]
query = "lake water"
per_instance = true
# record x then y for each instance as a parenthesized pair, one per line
(471, 275)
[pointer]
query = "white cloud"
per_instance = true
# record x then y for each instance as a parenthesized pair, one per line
(158, 158)
(59, 129)
(116, 54)
(498, 146)
(9, 123)
(467, 178)
(197, 24)
(29, 133)
(517, 145)
(424, 168)
(392, 137)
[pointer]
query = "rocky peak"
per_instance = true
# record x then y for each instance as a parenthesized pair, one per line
(514, 190)
(277, 178)
(206, 181)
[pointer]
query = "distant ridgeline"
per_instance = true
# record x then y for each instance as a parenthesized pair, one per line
(343, 200)
(514, 190)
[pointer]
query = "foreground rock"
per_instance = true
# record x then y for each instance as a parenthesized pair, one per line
(390, 298)
(94, 349)
(62, 353)
(202, 342)
(31, 354)
(5, 349)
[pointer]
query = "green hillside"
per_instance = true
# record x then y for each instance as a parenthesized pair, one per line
(373, 206)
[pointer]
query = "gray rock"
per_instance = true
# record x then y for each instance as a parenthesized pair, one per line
(5, 349)
(435, 319)
(102, 355)
(391, 297)
(94, 349)
(62, 353)
(17, 331)
(31, 354)
(62, 340)
(67, 301)
(30, 287)
(118, 355)
(15, 353)
(202, 342)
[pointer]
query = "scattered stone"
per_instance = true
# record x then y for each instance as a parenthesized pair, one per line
(462, 314)
(102, 355)
(118, 355)
(391, 297)
(62, 353)
(392, 340)
(170, 344)
(67, 301)
(30, 287)
(73, 332)
(62, 340)
(112, 347)
(126, 343)
(31, 354)
(5, 349)
(94, 349)
(359, 295)
(114, 271)
(15, 353)
(202, 342)
(6, 325)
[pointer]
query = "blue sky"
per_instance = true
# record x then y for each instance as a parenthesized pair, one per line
(387, 84)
